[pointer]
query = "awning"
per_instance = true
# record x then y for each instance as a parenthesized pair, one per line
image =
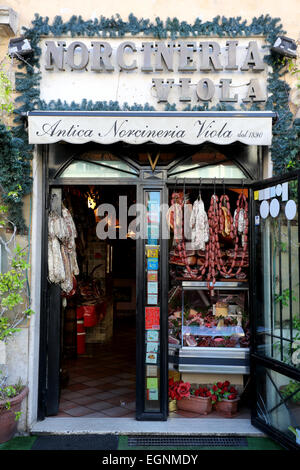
(138, 127)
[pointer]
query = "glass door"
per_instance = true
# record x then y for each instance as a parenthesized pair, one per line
(275, 294)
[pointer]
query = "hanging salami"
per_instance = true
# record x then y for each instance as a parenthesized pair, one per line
(62, 260)
(210, 233)
(199, 226)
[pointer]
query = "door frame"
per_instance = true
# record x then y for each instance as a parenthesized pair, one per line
(141, 414)
(49, 353)
(255, 358)
(50, 331)
(141, 185)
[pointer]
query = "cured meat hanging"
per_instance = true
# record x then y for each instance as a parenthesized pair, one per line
(62, 260)
(199, 225)
(208, 232)
(178, 219)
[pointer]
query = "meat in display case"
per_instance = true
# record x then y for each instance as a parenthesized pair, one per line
(209, 329)
(203, 320)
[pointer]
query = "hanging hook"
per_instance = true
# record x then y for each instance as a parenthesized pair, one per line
(215, 185)
(223, 182)
(200, 184)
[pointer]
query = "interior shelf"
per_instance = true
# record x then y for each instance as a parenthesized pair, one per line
(234, 285)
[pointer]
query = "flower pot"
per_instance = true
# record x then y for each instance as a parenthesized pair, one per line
(227, 408)
(199, 405)
(172, 405)
(8, 423)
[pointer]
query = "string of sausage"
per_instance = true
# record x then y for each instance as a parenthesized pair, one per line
(216, 218)
(214, 263)
(213, 252)
(241, 204)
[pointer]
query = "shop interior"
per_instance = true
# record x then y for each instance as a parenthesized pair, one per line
(98, 317)
(208, 321)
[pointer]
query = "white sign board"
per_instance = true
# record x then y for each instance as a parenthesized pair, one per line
(143, 70)
(161, 128)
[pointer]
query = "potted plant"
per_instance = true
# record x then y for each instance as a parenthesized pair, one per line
(224, 398)
(188, 398)
(11, 398)
(14, 309)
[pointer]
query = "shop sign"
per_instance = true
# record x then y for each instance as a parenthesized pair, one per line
(161, 128)
(182, 71)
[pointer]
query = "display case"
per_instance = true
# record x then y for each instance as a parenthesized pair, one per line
(210, 330)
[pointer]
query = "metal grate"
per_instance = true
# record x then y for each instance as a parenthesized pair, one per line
(182, 441)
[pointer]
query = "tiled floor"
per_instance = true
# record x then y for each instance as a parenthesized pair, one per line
(102, 382)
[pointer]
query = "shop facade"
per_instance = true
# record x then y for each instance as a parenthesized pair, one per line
(215, 299)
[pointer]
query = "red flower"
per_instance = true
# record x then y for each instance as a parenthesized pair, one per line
(215, 388)
(232, 390)
(226, 383)
(214, 398)
(183, 389)
(232, 397)
(219, 384)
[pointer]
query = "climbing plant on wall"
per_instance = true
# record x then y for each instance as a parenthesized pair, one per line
(285, 147)
(15, 179)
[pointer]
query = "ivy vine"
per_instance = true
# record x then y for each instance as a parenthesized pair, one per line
(286, 132)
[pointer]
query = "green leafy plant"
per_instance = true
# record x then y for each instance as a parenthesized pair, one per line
(292, 391)
(13, 307)
(288, 348)
(14, 304)
(6, 89)
(285, 297)
(7, 392)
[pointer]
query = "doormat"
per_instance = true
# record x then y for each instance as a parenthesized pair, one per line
(196, 443)
(76, 442)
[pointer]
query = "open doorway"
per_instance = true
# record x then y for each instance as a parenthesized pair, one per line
(98, 332)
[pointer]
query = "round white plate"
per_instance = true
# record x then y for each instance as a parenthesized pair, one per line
(274, 208)
(264, 209)
(290, 209)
